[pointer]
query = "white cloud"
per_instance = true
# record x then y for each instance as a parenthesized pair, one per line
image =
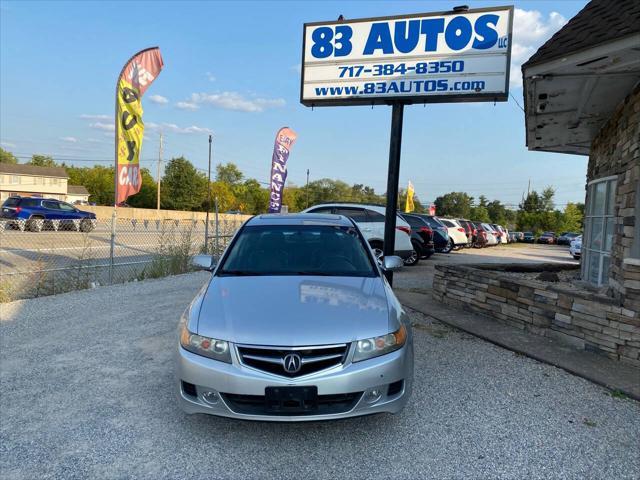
(187, 106)
(95, 117)
(235, 101)
(210, 76)
(159, 99)
(530, 30)
(8, 145)
(172, 127)
(69, 139)
(108, 127)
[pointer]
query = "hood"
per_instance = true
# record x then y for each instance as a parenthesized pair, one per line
(294, 310)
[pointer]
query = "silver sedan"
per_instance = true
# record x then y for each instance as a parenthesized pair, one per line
(297, 323)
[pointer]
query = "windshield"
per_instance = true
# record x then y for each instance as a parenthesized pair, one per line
(298, 250)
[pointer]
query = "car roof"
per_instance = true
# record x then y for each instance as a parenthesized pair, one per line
(300, 219)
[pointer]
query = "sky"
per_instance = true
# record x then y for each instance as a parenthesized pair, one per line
(232, 69)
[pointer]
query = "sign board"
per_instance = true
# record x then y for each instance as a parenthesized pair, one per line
(426, 58)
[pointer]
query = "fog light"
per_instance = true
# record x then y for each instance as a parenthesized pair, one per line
(373, 395)
(211, 398)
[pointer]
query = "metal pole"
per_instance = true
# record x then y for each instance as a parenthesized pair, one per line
(393, 175)
(206, 223)
(159, 164)
(217, 226)
(307, 188)
(112, 246)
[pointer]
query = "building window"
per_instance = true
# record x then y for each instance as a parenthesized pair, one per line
(15, 179)
(599, 230)
(635, 250)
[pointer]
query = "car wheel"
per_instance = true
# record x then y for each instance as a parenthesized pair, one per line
(449, 247)
(86, 225)
(576, 257)
(35, 224)
(414, 258)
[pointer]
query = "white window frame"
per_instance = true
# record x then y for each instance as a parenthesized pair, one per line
(608, 213)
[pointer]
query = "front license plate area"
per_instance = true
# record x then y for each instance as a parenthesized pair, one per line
(291, 399)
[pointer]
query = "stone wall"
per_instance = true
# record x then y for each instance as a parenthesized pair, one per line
(616, 151)
(583, 319)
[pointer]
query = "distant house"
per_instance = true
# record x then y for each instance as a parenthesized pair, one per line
(34, 181)
(77, 193)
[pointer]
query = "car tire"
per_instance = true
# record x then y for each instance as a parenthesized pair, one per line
(35, 224)
(414, 258)
(86, 225)
(576, 257)
(449, 247)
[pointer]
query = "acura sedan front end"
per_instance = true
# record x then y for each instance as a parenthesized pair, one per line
(297, 323)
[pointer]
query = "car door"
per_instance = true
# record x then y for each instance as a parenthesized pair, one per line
(357, 215)
(51, 210)
(69, 212)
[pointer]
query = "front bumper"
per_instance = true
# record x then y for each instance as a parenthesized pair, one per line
(352, 381)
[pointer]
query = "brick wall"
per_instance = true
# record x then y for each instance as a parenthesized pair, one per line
(616, 151)
(582, 319)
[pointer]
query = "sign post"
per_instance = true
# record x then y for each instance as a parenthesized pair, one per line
(393, 178)
(456, 56)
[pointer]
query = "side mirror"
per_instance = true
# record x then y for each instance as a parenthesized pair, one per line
(392, 263)
(204, 262)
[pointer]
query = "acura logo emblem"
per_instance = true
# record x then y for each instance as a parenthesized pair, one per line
(292, 363)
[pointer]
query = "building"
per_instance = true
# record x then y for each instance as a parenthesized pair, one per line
(582, 96)
(34, 181)
(77, 194)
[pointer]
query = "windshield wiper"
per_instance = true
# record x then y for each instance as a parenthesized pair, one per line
(241, 273)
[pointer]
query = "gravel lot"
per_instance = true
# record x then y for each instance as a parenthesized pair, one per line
(87, 392)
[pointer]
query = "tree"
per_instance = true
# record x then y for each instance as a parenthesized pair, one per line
(147, 196)
(229, 173)
(480, 214)
(7, 157)
(572, 217)
(183, 187)
(454, 204)
(98, 180)
(42, 161)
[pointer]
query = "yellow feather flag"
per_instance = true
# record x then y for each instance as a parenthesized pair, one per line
(409, 207)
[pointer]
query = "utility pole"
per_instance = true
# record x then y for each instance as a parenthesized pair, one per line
(206, 222)
(159, 167)
(307, 189)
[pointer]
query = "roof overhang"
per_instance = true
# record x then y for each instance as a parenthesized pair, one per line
(568, 99)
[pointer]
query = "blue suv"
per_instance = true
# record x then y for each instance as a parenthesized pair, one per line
(34, 214)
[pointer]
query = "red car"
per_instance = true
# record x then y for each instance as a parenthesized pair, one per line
(547, 237)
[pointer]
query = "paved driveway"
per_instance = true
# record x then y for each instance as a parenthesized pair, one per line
(87, 392)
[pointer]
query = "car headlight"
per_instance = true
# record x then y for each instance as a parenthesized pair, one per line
(205, 346)
(376, 346)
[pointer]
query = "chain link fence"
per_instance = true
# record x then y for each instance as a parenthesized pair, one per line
(55, 257)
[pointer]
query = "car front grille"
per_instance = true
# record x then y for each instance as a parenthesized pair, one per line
(279, 360)
(325, 405)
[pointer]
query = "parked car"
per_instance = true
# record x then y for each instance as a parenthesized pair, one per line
(500, 233)
(35, 214)
(370, 219)
(519, 236)
(575, 249)
(457, 234)
(566, 238)
(469, 229)
(548, 238)
(421, 237)
(492, 235)
(440, 233)
(480, 237)
(528, 237)
(338, 345)
(513, 237)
